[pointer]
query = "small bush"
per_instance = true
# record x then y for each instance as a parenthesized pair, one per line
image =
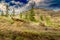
(11, 21)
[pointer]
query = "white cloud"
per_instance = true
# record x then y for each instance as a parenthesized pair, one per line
(17, 3)
(40, 3)
(26, 7)
(14, 2)
(19, 9)
(36, 1)
(2, 7)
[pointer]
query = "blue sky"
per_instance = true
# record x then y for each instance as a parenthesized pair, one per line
(17, 4)
(12, 4)
(25, 4)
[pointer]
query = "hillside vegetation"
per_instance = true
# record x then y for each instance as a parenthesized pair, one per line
(35, 24)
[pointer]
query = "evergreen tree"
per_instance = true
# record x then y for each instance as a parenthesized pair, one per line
(41, 18)
(2, 14)
(7, 8)
(32, 14)
(26, 16)
(20, 15)
(48, 21)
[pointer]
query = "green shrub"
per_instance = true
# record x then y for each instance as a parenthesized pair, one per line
(32, 18)
(31, 15)
(26, 16)
(19, 38)
(48, 21)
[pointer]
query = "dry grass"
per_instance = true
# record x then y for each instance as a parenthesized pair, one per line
(28, 35)
(48, 22)
(45, 27)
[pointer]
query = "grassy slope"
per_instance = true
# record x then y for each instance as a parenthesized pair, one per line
(16, 30)
(12, 30)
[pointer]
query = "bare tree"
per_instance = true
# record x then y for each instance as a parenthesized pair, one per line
(13, 12)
